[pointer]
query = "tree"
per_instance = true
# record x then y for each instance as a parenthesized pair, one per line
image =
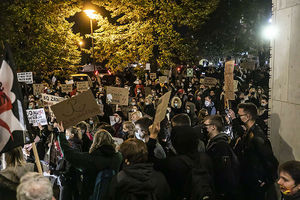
(39, 34)
(149, 31)
(233, 28)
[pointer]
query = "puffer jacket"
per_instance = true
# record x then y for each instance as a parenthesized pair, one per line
(139, 181)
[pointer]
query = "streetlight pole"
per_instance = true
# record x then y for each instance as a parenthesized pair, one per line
(91, 14)
(91, 22)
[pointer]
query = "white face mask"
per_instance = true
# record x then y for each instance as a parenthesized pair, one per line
(263, 104)
(188, 111)
(140, 136)
(67, 137)
(206, 103)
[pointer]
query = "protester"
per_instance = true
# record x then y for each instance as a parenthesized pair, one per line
(289, 180)
(138, 179)
(102, 155)
(34, 186)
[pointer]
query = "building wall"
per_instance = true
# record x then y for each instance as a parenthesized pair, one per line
(285, 81)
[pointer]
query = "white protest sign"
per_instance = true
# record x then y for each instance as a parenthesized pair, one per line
(25, 77)
(37, 116)
(51, 98)
(189, 72)
(148, 66)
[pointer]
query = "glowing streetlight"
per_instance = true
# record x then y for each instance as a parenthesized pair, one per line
(270, 32)
(91, 14)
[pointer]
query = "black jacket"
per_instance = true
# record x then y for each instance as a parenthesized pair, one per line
(258, 164)
(226, 164)
(139, 179)
(291, 197)
(104, 157)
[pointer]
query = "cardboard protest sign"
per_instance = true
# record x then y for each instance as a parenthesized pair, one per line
(162, 107)
(165, 72)
(229, 87)
(250, 65)
(51, 98)
(38, 89)
(189, 72)
(148, 66)
(66, 88)
(37, 116)
(210, 81)
(152, 76)
(147, 91)
(82, 86)
(116, 95)
(76, 109)
(25, 77)
(229, 67)
(163, 79)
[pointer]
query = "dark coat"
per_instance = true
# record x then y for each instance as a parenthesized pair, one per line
(291, 197)
(226, 165)
(258, 164)
(141, 179)
(104, 157)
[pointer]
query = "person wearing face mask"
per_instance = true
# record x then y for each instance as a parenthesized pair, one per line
(258, 163)
(176, 105)
(263, 109)
(149, 108)
(190, 110)
(289, 180)
(225, 162)
(118, 126)
(209, 106)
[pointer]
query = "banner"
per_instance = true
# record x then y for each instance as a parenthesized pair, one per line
(162, 108)
(163, 79)
(51, 98)
(38, 89)
(12, 119)
(153, 76)
(76, 109)
(116, 95)
(189, 72)
(82, 86)
(37, 116)
(66, 88)
(25, 77)
(210, 82)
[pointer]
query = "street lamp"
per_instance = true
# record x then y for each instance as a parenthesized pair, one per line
(91, 14)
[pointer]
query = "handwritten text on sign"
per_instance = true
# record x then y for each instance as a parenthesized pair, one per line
(116, 95)
(76, 109)
(36, 117)
(51, 98)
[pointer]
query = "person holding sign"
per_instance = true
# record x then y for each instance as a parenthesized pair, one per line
(102, 155)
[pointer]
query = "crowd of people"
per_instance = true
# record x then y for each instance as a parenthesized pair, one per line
(201, 150)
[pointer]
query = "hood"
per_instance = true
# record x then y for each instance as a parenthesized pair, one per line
(191, 105)
(221, 137)
(10, 177)
(184, 139)
(136, 178)
(179, 102)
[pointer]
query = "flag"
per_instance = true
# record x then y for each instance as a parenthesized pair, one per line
(12, 118)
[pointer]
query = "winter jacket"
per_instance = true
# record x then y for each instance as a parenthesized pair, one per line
(139, 179)
(258, 164)
(226, 165)
(104, 157)
(10, 179)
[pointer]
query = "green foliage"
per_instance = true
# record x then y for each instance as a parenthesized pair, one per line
(39, 34)
(148, 31)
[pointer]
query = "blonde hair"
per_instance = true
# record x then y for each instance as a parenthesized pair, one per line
(14, 157)
(131, 128)
(102, 137)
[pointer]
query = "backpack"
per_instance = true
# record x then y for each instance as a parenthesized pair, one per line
(102, 183)
(199, 184)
